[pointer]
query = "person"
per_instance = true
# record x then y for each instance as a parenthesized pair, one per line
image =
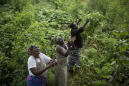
(77, 43)
(61, 67)
(37, 66)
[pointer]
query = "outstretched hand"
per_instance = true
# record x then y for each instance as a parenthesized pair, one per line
(70, 45)
(52, 63)
(87, 21)
(79, 21)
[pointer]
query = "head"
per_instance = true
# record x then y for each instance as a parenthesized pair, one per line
(34, 50)
(59, 40)
(73, 25)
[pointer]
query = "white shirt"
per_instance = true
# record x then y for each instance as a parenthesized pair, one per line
(32, 63)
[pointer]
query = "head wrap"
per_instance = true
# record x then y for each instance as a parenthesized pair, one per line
(57, 38)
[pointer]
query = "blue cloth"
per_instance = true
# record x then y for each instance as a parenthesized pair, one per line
(36, 81)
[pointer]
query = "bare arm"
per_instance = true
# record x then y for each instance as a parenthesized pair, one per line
(74, 32)
(62, 51)
(38, 72)
(78, 21)
(85, 23)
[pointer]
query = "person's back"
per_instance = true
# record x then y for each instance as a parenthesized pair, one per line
(74, 55)
(77, 33)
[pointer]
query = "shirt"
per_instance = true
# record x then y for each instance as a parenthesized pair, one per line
(77, 32)
(32, 61)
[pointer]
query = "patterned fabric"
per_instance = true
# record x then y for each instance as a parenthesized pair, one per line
(74, 59)
(36, 81)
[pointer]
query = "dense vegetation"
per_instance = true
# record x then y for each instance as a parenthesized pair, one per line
(105, 54)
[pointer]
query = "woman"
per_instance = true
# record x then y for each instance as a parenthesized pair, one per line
(77, 44)
(37, 67)
(61, 68)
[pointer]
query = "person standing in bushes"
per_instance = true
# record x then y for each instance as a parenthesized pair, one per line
(61, 67)
(76, 44)
(37, 66)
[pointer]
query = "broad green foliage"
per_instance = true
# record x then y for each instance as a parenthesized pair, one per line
(3, 2)
(105, 54)
(57, 19)
(20, 30)
(95, 20)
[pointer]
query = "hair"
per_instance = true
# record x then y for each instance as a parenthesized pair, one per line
(72, 25)
(58, 39)
(31, 49)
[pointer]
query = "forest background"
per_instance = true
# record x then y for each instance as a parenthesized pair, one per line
(104, 56)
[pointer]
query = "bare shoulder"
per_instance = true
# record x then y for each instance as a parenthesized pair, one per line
(59, 48)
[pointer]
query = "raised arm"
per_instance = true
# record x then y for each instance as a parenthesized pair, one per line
(62, 51)
(78, 21)
(80, 29)
(85, 23)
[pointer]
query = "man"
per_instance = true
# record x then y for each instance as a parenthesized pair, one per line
(77, 43)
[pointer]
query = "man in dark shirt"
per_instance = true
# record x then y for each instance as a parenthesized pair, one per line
(77, 43)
